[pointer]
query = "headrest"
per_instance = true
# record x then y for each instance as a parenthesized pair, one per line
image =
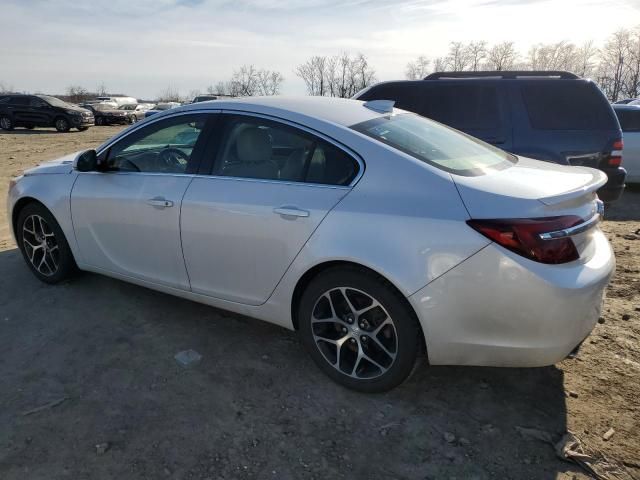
(254, 145)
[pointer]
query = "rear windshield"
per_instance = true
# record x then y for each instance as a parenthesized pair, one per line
(629, 120)
(559, 105)
(436, 144)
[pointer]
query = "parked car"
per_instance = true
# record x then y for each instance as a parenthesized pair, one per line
(552, 116)
(117, 100)
(135, 112)
(106, 115)
(206, 98)
(30, 111)
(625, 101)
(629, 117)
(299, 213)
(160, 107)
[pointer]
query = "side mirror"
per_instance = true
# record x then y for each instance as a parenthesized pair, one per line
(86, 161)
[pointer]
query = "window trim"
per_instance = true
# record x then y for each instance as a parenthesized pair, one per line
(212, 147)
(227, 115)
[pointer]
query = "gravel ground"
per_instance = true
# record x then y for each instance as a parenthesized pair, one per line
(89, 388)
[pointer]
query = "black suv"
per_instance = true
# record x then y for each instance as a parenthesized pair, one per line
(553, 116)
(31, 111)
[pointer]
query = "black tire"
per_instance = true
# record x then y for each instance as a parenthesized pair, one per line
(83, 129)
(62, 124)
(99, 121)
(60, 258)
(406, 330)
(134, 118)
(6, 123)
(29, 127)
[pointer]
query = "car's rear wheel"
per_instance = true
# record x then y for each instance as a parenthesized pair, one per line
(62, 124)
(6, 123)
(43, 244)
(358, 329)
(99, 121)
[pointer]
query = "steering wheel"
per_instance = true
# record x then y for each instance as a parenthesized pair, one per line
(173, 159)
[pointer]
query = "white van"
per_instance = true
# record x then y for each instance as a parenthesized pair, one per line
(119, 101)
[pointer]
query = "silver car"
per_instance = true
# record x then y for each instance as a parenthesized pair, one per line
(379, 235)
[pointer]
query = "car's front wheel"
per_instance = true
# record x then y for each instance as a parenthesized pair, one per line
(358, 329)
(43, 244)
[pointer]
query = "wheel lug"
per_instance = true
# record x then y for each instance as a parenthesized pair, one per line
(352, 340)
(364, 338)
(344, 329)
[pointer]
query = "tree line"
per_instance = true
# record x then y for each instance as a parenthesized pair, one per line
(615, 66)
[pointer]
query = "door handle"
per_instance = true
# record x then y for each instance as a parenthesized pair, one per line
(291, 212)
(160, 202)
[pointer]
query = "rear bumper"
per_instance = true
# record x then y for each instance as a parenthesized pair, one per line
(499, 309)
(612, 190)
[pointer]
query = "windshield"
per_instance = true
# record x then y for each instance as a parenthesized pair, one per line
(164, 106)
(128, 107)
(436, 144)
(54, 102)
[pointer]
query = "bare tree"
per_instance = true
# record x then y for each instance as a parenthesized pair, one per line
(101, 89)
(339, 76)
(417, 69)
(170, 94)
(458, 57)
(269, 82)
(632, 70)
(502, 56)
(585, 59)
(613, 59)
(77, 94)
(220, 88)
(476, 52)
(440, 64)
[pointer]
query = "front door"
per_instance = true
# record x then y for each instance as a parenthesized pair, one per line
(127, 217)
(272, 185)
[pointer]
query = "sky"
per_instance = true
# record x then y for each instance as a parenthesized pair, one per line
(142, 47)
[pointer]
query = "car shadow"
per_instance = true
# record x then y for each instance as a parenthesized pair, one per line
(35, 131)
(254, 404)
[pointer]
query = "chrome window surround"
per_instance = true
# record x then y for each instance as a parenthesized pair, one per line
(298, 126)
(575, 230)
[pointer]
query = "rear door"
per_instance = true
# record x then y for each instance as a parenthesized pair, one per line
(21, 109)
(564, 121)
(244, 223)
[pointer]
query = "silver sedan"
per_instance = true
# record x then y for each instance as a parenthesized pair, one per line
(379, 235)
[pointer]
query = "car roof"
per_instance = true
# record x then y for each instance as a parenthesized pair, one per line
(339, 111)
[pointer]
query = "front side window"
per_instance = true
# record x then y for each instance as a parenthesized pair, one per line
(435, 144)
(163, 147)
(256, 148)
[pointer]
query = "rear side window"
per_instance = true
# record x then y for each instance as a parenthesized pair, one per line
(21, 101)
(629, 120)
(465, 107)
(263, 149)
(559, 105)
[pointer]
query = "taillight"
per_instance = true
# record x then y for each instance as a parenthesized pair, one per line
(615, 159)
(522, 236)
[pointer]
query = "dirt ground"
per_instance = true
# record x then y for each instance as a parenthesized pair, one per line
(98, 356)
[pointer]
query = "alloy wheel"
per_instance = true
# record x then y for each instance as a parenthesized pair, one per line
(5, 123)
(61, 124)
(40, 245)
(354, 333)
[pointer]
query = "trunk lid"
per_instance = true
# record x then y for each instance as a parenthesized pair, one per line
(530, 189)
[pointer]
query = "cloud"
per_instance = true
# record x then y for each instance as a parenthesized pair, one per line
(142, 46)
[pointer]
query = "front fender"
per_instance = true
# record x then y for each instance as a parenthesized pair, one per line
(54, 192)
